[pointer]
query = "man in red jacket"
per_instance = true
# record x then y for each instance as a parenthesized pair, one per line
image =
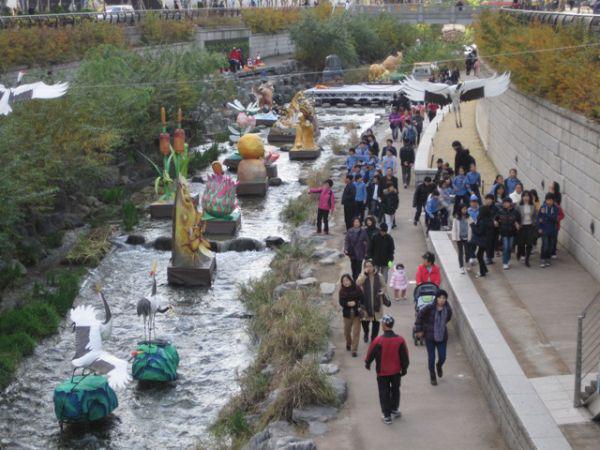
(391, 359)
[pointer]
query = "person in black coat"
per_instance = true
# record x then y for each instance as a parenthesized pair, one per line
(348, 201)
(350, 298)
(462, 157)
(420, 197)
(481, 233)
(432, 323)
(508, 222)
(381, 250)
(407, 161)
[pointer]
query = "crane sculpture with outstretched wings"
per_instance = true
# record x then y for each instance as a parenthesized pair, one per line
(444, 94)
(8, 95)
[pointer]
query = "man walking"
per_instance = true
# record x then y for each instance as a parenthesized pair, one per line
(381, 250)
(348, 201)
(420, 197)
(391, 361)
(407, 161)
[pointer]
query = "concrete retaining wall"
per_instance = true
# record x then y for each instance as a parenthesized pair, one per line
(271, 44)
(524, 420)
(423, 155)
(546, 143)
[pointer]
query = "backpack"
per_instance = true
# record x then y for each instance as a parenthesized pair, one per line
(411, 134)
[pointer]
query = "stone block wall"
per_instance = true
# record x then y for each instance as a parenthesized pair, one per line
(546, 143)
(271, 44)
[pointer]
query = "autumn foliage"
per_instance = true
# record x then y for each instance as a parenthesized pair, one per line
(561, 64)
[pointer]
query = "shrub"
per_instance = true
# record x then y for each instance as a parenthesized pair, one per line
(113, 195)
(131, 215)
(91, 248)
(569, 77)
(44, 45)
(270, 21)
(157, 31)
(38, 320)
(21, 343)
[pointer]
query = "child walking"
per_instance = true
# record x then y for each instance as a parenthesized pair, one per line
(399, 282)
(326, 205)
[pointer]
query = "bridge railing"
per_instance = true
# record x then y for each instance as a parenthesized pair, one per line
(125, 18)
(590, 22)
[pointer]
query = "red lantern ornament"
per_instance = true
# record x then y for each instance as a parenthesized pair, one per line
(164, 140)
(179, 140)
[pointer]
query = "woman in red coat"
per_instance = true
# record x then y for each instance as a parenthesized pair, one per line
(428, 271)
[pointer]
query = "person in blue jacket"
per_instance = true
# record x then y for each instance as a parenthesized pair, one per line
(511, 182)
(547, 222)
(432, 207)
(360, 197)
(351, 160)
(461, 194)
(474, 182)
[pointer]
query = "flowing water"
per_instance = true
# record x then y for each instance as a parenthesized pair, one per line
(205, 327)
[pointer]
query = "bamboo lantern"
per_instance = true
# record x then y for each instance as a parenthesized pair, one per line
(164, 138)
(179, 135)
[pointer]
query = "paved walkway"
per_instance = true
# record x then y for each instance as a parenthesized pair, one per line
(457, 405)
(536, 309)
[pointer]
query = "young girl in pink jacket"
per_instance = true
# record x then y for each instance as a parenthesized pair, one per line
(326, 205)
(399, 282)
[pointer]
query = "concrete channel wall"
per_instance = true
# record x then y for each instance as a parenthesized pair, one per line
(546, 143)
(271, 44)
(524, 420)
(423, 166)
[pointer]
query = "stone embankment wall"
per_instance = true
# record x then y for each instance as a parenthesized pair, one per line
(271, 44)
(546, 143)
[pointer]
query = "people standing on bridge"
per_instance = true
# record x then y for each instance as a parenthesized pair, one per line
(420, 197)
(356, 245)
(373, 286)
(350, 299)
(326, 205)
(432, 323)
(390, 353)
(526, 236)
(348, 201)
(407, 161)
(547, 222)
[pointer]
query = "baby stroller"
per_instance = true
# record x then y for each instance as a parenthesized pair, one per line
(423, 295)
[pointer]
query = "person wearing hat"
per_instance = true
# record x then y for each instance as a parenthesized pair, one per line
(508, 222)
(390, 353)
(432, 323)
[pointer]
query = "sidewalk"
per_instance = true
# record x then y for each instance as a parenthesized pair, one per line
(452, 415)
(536, 309)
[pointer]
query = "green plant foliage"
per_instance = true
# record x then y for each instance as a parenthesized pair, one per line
(269, 21)
(199, 161)
(131, 215)
(157, 31)
(569, 77)
(37, 319)
(20, 343)
(112, 195)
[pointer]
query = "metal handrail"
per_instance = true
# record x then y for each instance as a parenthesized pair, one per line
(587, 355)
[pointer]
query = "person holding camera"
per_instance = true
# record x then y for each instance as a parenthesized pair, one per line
(390, 353)
(374, 298)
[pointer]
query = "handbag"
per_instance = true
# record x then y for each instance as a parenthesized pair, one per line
(362, 314)
(385, 300)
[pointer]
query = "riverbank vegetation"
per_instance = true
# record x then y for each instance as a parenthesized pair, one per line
(288, 327)
(363, 39)
(64, 158)
(541, 62)
(40, 317)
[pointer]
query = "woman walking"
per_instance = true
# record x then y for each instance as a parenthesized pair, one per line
(355, 247)
(428, 271)
(481, 232)
(350, 298)
(461, 234)
(528, 231)
(432, 323)
(389, 203)
(373, 287)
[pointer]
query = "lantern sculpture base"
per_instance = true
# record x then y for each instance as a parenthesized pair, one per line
(193, 276)
(271, 171)
(258, 189)
(222, 226)
(164, 209)
(282, 136)
(232, 162)
(84, 399)
(161, 210)
(304, 154)
(155, 360)
(266, 119)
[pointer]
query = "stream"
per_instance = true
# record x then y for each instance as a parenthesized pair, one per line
(205, 326)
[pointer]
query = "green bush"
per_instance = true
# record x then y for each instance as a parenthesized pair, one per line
(113, 195)
(131, 215)
(38, 320)
(20, 343)
(157, 31)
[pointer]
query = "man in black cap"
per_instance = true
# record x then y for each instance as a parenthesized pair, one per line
(391, 361)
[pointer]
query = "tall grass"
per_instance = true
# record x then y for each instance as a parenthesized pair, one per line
(91, 248)
(20, 328)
